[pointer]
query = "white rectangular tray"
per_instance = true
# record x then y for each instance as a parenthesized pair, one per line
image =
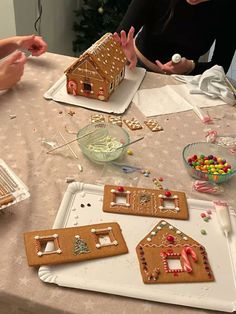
(120, 275)
(118, 102)
(20, 190)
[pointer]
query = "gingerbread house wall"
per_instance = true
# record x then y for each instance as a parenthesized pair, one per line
(85, 80)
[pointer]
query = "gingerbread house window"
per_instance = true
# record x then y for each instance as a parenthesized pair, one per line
(87, 87)
(171, 262)
(169, 203)
(46, 245)
(104, 237)
(120, 198)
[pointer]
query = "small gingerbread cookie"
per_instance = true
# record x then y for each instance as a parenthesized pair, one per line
(153, 125)
(133, 124)
(115, 120)
(98, 117)
(57, 246)
(145, 202)
(165, 244)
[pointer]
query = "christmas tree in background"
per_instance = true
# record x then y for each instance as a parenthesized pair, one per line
(94, 19)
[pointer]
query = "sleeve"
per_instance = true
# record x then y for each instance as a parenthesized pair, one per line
(135, 16)
(225, 45)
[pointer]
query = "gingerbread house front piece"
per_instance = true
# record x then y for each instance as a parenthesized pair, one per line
(98, 71)
(167, 255)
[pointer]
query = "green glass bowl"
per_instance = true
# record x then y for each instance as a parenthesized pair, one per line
(100, 142)
(204, 148)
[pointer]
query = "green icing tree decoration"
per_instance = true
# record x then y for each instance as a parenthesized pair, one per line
(80, 246)
(94, 19)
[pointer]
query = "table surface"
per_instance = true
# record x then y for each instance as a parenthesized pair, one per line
(36, 119)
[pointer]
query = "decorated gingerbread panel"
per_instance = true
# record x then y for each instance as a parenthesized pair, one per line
(167, 255)
(57, 246)
(145, 202)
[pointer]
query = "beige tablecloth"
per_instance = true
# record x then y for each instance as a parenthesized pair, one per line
(36, 119)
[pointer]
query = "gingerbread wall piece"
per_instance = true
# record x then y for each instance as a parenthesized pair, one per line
(98, 71)
(145, 202)
(167, 255)
(57, 246)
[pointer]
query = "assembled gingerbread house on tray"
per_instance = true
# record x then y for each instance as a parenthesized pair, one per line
(98, 71)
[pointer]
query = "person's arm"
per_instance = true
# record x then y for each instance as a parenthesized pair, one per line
(35, 44)
(135, 16)
(225, 45)
(222, 55)
(11, 69)
(7, 46)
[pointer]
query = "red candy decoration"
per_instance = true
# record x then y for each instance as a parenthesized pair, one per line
(120, 189)
(170, 238)
(167, 193)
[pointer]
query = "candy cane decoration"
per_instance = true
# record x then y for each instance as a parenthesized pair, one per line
(186, 263)
(72, 85)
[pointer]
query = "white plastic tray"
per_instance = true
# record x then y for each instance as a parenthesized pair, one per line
(118, 102)
(120, 275)
(20, 190)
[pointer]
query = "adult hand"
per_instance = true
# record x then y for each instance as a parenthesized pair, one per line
(127, 43)
(11, 69)
(35, 44)
(185, 66)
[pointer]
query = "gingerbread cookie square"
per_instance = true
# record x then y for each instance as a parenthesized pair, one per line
(166, 244)
(153, 125)
(96, 118)
(57, 246)
(115, 120)
(145, 202)
(133, 124)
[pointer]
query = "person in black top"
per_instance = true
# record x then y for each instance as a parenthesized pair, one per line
(186, 27)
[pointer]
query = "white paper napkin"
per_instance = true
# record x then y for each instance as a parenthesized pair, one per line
(170, 99)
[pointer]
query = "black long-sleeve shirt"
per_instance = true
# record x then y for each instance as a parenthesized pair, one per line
(190, 32)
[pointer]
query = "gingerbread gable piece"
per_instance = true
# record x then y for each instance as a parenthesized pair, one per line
(167, 255)
(145, 202)
(57, 246)
(98, 71)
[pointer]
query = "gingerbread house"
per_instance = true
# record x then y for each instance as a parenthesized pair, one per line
(98, 71)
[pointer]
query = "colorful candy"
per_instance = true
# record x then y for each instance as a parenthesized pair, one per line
(209, 164)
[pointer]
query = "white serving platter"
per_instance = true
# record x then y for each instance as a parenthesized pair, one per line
(118, 102)
(120, 275)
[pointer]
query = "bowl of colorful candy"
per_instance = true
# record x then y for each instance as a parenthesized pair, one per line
(209, 162)
(103, 142)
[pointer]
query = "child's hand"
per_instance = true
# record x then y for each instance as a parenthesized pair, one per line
(11, 69)
(127, 43)
(35, 44)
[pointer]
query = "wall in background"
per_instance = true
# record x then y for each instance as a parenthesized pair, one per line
(17, 17)
(7, 19)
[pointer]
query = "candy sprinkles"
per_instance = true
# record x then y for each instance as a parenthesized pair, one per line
(210, 164)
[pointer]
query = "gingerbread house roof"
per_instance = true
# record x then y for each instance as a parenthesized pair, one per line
(106, 55)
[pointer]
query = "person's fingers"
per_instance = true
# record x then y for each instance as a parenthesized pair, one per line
(123, 38)
(116, 37)
(14, 57)
(131, 33)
